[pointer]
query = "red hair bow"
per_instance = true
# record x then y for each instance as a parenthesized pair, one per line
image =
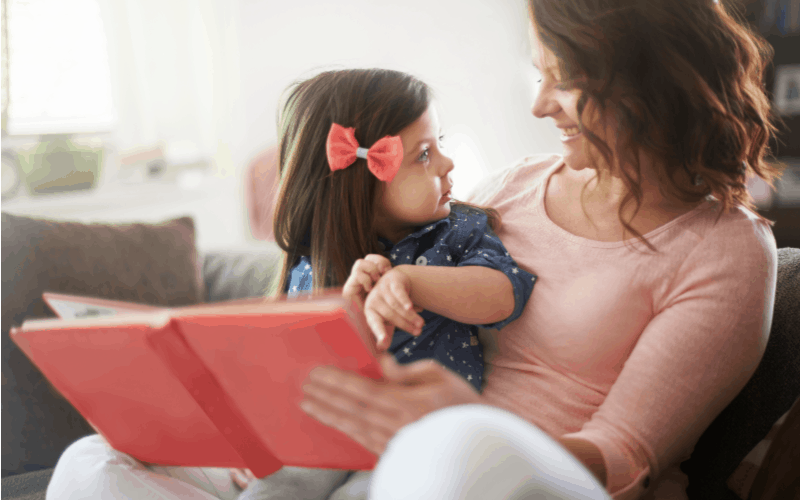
(383, 158)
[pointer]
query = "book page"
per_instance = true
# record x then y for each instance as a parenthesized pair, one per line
(73, 310)
(79, 307)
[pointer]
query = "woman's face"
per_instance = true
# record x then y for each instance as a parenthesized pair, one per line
(560, 105)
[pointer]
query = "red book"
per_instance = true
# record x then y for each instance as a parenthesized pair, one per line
(215, 385)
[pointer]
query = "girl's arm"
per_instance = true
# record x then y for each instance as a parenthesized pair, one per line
(473, 294)
(470, 294)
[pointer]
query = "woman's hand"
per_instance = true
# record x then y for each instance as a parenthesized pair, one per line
(363, 276)
(372, 411)
(389, 305)
(242, 477)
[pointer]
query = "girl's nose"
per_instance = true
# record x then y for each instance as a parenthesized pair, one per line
(447, 165)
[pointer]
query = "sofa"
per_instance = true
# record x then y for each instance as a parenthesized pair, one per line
(158, 264)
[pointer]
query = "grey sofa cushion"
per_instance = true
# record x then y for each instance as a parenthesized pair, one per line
(150, 263)
(239, 275)
(30, 486)
(227, 276)
(775, 385)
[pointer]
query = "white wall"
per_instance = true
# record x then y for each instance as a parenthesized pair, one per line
(472, 52)
(203, 77)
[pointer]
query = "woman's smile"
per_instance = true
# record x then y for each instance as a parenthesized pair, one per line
(570, 133)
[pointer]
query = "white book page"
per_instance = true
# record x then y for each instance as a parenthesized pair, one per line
(66, 309)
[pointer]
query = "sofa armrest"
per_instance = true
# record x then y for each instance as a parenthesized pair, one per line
(238, 275)
(770, 393)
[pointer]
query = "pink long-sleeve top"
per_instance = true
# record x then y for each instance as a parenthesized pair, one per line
(634, 351)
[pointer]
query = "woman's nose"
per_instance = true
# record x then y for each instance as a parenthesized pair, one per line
(543, 104)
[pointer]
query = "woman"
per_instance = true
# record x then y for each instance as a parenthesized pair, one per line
(655, 290)
(656, 281)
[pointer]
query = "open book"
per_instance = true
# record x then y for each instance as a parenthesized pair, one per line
(212, 385)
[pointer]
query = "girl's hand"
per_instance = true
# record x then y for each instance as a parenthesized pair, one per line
(242, 477)
(372, 411)
(389, 305)
(363, 275)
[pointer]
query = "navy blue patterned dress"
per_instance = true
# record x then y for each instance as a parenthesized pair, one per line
(464, 238)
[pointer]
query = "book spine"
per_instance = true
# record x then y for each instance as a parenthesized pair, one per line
(171, 346)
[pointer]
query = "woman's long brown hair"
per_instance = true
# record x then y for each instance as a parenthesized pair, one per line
(329, 215)
(683, 80)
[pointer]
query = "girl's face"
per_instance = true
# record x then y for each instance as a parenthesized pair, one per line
(562, 106)
(420, 191)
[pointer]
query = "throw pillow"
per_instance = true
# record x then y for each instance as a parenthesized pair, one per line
(149, 263)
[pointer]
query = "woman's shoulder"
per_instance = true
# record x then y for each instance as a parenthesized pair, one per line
(737, 235)
(520, 175)
(530, 168)
(737, 221)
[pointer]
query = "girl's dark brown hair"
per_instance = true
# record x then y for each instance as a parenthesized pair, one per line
(683, 80)
(335, 209)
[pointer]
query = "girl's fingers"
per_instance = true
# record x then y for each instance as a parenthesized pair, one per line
(381, 262)
(399, 318)
(364, 280)
(377, 325)
(368, 266)
(384, 343)
(407, 308)
(400, 295)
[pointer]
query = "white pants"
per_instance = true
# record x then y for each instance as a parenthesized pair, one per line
(464, 452)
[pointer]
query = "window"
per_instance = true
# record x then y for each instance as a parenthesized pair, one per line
(58, 73)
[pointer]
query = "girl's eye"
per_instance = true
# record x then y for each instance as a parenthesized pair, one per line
(441, 141)
(423, 157)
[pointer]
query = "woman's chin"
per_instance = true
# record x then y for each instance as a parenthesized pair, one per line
(576, 160)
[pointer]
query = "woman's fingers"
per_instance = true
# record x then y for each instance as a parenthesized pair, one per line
(373, 439)
(370, 411)
(241, 477)
(355, 406)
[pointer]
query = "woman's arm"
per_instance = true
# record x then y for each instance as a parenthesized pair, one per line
(709, 330)
(372, 412)
(589, 455)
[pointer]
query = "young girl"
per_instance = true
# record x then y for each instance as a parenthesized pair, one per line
(365, 204)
